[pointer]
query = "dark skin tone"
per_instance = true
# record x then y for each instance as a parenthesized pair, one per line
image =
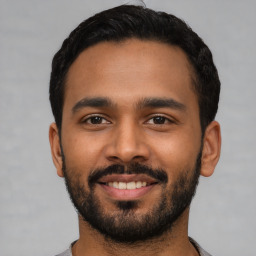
(133, 101)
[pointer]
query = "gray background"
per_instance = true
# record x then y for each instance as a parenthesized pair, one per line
(36, 217)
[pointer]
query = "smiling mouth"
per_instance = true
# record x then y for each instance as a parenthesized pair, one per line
(128, 185)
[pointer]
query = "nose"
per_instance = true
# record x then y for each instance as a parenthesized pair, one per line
(127, 144)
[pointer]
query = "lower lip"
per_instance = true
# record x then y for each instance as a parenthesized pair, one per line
(127, 194)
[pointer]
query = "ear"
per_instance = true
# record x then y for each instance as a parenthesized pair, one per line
(55, 148)
(211, 149)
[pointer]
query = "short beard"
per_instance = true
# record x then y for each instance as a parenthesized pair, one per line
(124, 225)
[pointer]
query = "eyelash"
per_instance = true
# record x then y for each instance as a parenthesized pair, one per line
(166, 120)
(101, 118)
(95, 116)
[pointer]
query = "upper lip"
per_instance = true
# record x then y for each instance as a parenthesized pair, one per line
(127, 178)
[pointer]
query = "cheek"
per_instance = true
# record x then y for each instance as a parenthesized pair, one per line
(176, 153)
(82, 152)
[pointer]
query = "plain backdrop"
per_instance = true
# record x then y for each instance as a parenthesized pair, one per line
(36, 216)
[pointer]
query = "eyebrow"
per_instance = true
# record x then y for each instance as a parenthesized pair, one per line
(96, 102)
(99, 102)
(161, 103)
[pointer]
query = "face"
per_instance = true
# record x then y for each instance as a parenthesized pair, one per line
(131, 137)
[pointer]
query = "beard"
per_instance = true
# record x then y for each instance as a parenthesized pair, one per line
(124, 225)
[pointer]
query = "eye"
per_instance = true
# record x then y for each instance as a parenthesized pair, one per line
(96, 120)
(158, 120)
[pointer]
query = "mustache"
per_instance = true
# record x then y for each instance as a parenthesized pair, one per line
(135, 168)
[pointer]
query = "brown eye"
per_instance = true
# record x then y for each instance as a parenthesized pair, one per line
(159, 120)
(96, 120)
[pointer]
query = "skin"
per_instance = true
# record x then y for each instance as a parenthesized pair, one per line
(126, 73)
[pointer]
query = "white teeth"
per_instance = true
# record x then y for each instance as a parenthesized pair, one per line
(127, 185)
(115, 184)
(122, 185)
(131, 185)
(138, 184)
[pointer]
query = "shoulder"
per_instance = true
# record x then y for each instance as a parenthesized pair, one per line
(65, 253)
(201, 251)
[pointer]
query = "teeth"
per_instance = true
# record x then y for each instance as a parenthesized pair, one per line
(115, 184)
(131, 185)
(127, 185)
(138, 184)
(122, 185)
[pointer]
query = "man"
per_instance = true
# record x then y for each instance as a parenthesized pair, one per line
(134, 94)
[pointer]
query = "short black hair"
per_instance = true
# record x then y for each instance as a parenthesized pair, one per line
(129, 21)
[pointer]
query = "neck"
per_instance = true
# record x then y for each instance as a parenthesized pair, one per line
(172, 243)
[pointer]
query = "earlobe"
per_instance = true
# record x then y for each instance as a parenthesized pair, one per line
(56, 148)
(211, 149)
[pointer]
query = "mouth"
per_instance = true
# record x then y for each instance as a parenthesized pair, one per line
(127, 187)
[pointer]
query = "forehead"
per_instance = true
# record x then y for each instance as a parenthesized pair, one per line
(133, 68)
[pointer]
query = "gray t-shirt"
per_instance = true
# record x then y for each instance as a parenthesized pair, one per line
(201, 251)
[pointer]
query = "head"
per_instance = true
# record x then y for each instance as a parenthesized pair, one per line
(125, 22)
(134, 94)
